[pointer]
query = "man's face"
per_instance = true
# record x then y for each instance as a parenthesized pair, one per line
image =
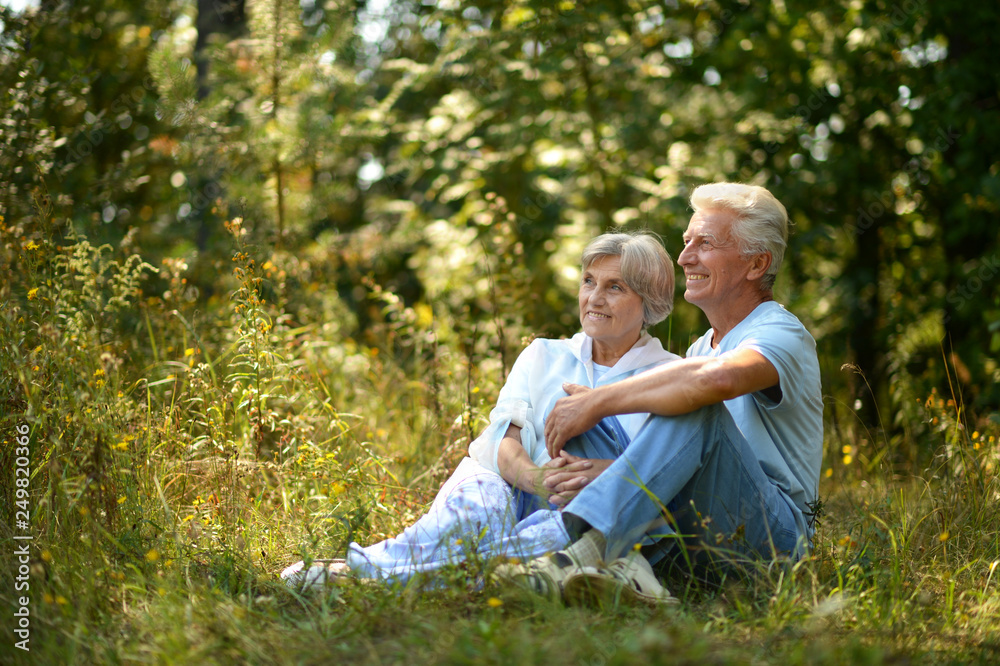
(714, 270)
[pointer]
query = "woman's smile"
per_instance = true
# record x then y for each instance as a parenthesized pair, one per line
(610, 312)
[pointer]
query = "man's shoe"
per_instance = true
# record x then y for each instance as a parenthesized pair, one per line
(545, 575)
(319, 574)
(627, 580)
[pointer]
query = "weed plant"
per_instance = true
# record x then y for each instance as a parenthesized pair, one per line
(185, 448)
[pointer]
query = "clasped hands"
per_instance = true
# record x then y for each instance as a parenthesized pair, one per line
(566, 475)
(563, 477)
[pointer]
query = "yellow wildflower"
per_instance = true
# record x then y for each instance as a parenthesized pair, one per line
(32, 293)
(493, 602)
(152, 555)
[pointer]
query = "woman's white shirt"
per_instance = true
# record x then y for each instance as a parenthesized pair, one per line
(535, 384)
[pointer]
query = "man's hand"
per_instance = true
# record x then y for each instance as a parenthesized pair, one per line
(571, 416)
(566, 475)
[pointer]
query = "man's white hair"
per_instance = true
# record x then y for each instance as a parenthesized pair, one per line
(761, 224)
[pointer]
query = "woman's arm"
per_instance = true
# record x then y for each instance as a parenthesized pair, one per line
(513, 406)
(516, 466)
(559, 480)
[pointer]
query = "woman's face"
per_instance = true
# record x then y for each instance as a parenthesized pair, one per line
(610, 312)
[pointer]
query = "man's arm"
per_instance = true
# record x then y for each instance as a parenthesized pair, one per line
(672, 389)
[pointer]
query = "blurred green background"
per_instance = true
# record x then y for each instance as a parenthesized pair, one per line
(455, 156)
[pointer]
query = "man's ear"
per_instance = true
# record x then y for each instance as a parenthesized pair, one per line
(759, 264)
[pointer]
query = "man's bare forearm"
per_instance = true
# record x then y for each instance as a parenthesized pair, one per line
(686, 385)
(676, 388)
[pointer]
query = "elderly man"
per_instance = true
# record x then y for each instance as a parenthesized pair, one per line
(731, 459)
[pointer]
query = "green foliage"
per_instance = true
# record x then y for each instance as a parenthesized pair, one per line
(167, 492)
(251, 327)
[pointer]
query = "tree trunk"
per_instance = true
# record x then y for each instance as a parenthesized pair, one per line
(224, 17)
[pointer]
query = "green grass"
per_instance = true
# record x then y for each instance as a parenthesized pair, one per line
(183, 453)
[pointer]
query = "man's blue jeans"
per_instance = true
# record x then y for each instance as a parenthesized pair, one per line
(697, 471)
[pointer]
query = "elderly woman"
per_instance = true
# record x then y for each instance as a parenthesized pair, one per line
(503, 500)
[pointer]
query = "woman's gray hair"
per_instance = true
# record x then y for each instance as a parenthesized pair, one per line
(761, 224)
(646, 268)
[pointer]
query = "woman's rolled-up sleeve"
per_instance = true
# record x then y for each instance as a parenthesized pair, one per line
(513, 408)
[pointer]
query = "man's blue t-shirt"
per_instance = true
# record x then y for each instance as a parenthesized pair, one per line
(787, 435)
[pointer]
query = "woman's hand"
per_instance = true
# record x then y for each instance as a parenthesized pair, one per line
(566, 475)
